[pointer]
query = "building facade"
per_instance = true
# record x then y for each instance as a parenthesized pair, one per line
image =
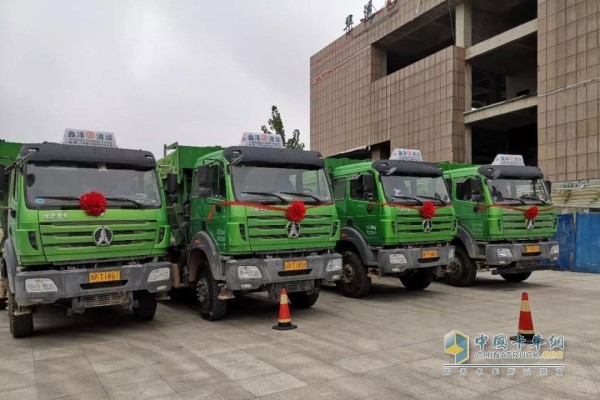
(463, 81)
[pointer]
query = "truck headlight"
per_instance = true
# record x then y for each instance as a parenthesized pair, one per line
(159, 274)
(40, 285)
(249, 272)
(334, 265)
(504, 253)
(555, 249)
(451, 253)
(397, 259)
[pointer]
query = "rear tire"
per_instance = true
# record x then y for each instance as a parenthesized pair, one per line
(418, 280)
(462, 271)
(146, 305)
(20, 325)
(303, 300)
(211, 307)
(354, 282)
(520, 277)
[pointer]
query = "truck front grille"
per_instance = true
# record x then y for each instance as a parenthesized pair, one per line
(272, 227)
(103, 300)
(516, 223)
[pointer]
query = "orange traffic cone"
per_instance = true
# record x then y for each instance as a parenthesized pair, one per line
(525, 321)
(285, 320)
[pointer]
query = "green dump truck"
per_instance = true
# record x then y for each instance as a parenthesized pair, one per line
(84, 226)
(250, 218)
(397, 220)
(506, 220)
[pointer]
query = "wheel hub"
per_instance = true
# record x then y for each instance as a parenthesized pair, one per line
(347, 273)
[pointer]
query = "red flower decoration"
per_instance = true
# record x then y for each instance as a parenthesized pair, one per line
(531, 212)
(428, 210)
(296, 212)
(93, 203)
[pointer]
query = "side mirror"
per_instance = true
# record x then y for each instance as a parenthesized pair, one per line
(171, 183)
(368, 183)
(548, 185)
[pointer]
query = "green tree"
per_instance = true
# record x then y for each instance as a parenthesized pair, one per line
(276, 128)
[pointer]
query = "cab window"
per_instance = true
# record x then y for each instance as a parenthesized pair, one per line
(357, 192)
(217, 181)
(339, 189)
(465, 190)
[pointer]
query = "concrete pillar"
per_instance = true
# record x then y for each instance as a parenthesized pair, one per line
(468, 145)
(463, 24)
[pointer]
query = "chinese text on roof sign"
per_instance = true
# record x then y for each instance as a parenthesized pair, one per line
(262, 140)
(406, 155)
(89, 138)
(508, 159)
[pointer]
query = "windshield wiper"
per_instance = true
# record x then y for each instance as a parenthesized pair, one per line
(137, 203)
(532, 197)
(513, 199)
(267, 194)
(399, 196)
(59, 197)
(431, 198)
(315, 198)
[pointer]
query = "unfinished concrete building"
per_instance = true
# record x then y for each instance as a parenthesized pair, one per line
(463, 81)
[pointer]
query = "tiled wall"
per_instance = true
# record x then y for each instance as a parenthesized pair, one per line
(419, 106)
(568, 88)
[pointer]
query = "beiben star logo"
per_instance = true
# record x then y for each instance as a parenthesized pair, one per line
(293, 229)
(530, 224)
(103, 236)
(427, 225)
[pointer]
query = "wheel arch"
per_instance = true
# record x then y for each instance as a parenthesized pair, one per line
(203, 250)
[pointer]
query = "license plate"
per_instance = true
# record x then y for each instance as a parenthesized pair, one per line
(295, 265)
(430, 254)
(105, 276)
(532, 249)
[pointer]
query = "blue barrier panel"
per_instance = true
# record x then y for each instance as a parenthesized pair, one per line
(587, 243)
(565, 236)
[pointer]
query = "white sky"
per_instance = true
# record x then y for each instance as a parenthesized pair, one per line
(159, 71)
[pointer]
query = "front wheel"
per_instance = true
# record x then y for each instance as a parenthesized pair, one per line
(418, 280)
(20, 325)
(354, 282)
(462, 271)
(520, 277)
(211, 307)
(146, 305)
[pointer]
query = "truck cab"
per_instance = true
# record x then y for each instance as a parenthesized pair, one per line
(397, 220)
(60, 250)
(506, 220)
(254, 219)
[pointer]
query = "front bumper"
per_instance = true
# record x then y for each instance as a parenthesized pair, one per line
(518, 253)
(414, 259)
(273, 272)
(74, 283)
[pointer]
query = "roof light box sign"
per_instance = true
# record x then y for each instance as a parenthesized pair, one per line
(406, 155)
(261, 140)
(89, 138)
(508, 159)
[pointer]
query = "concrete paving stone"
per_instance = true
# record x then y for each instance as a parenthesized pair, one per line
(220, 391)
(365, 362)
(184, 365)
(571, 385)
(28, 393)
(359, 387)
(302, 393)
(140, 390)
(194, 380)
(15, 369)
(432, 366)
(206, 346)
(46, 353)
(126, 376)
(397, 376)
(270, 383)
(243, 369)
(304, 367)
(531, 391)
(437, 389)
(11, 381)
(96, 395)
(74, 386)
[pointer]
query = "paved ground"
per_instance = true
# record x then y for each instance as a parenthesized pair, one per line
(386, 346)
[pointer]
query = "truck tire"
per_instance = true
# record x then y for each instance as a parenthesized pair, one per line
(146, 305)
(211, 307)
(354, 282)
(520, 277)
(462, 271)
(303, 300)
(418, 280)
(20, 325)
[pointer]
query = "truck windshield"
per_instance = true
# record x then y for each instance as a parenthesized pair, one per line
(50, 185)
(414, 189)
(519, 191)
(280, 185)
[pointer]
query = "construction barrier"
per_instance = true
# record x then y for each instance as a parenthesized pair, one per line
(579, 242)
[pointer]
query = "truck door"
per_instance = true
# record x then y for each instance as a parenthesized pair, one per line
(468, 194)
(207, 213)
(361, 209)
